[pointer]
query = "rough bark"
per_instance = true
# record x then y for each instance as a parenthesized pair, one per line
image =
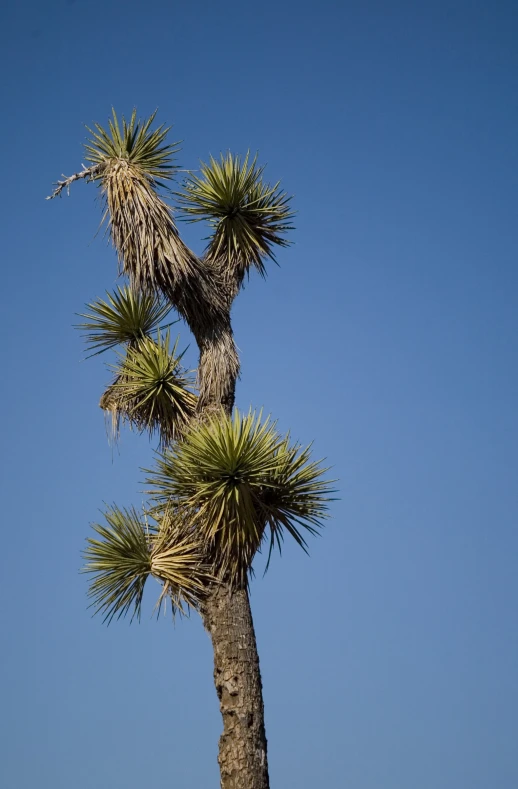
(218, 367)
(242, 756)
(226, 611)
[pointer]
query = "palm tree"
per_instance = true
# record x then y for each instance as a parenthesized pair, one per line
(225, 485)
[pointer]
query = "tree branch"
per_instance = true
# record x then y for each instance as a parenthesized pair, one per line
(86, 172)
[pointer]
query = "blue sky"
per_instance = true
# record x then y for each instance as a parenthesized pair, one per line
(388, 335)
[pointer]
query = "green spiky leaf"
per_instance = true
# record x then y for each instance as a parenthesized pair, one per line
(129, 549)
(125, 317)
(151, 390)
(135, 142)
(120, 560)
(245, 483)
(249, 217)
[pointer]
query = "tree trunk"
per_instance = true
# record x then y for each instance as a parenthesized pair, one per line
(226, 611)
(218, 367)
(242, 747)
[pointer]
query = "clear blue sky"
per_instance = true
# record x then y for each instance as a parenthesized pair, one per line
(388, 335)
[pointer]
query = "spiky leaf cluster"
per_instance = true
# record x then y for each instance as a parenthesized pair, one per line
(129, 548)
(134, 142)
(151, 390)
(124, 317)
(249, 217)
(130, 161)
(243, 483)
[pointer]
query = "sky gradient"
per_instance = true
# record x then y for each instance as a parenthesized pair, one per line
(388, 334)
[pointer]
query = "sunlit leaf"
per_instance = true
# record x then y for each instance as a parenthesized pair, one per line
(125, 317)
(151, 391)
(245, 483)
(129, 548)
(248, 216)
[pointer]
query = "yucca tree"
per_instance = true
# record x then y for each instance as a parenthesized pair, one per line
(225, 485)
